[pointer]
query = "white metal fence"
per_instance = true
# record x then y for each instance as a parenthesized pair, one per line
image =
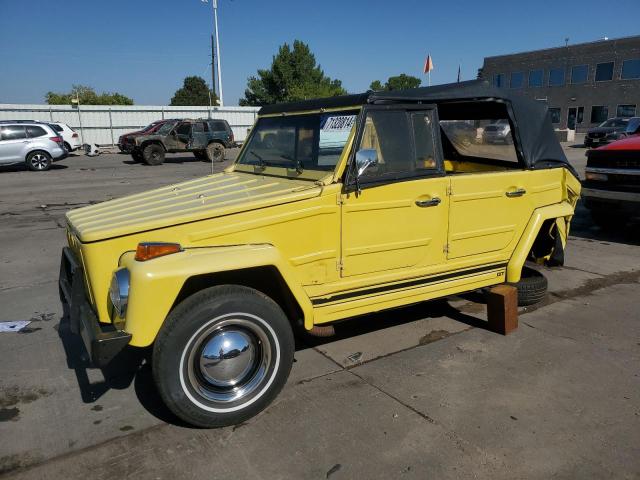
(103, 124)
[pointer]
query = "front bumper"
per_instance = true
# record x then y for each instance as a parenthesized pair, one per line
(126, 147)
(102, 341)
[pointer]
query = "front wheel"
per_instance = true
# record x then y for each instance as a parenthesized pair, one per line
(222, 356)
(153, 154)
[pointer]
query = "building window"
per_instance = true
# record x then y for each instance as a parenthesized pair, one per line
(579, 74)
(628, 110)
(556, 77)
(554, 113)
(535, 78)
(498, 80)
(517, 80)
(630, 69)
(599, 113)
(604, 72)
(580, 114)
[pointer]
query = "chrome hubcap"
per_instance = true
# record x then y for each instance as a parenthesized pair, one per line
(229, 360)
(227, 357)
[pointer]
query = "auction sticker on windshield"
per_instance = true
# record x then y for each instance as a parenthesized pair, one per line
(334, 133)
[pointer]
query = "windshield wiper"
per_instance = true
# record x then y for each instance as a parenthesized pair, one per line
(261, 163)
(297, 164)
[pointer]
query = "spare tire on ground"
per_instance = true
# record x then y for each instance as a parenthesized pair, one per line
(532, 287)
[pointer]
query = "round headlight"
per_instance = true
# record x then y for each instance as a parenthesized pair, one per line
(119, 291)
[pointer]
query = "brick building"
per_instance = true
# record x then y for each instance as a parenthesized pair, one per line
(583, 84)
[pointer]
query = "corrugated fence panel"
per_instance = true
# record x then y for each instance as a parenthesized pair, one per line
(103, 124)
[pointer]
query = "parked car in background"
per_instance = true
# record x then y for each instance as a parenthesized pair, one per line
(608, 131)
(611, 190)
(34, 143)
(126, 143)
(498, 132)
(460, 131)
(206, 138)
(69, 136)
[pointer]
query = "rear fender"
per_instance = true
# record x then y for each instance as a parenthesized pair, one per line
(155, 284)
(561, 212)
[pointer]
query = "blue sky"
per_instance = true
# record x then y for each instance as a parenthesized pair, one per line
(144, 48)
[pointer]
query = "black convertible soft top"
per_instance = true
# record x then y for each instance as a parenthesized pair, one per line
(536, 141)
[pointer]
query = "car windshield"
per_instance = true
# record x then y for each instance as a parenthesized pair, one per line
(614, 122)
(166, 128)
(300, 142)
(151, 126)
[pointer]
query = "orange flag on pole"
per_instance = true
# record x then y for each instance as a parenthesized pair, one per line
(428, 64)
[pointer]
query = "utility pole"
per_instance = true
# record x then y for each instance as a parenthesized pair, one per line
(215, 52)
(213, 69)
(215, 27)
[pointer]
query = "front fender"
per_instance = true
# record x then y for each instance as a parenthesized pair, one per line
(155, 284)
(562, 212)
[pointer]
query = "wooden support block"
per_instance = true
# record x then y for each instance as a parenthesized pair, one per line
(502, 309)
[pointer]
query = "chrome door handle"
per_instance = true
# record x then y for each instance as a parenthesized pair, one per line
(516, 193)
(428, 203)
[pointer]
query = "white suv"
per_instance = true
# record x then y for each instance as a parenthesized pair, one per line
(37, 144)
(69, 136)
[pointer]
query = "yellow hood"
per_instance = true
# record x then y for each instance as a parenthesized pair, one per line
(207, 197)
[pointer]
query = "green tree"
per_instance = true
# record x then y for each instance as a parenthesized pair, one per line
(294, 75)
(376, 85)
(87, 96)
(398, 82)
(194, 92)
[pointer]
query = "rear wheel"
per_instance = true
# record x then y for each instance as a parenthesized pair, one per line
(222, 356)
(532, 287)
(38, 161)
(215, 152)
(67, 147)
(153, 154)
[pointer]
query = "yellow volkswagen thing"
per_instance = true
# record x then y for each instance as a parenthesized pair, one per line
(334, 208)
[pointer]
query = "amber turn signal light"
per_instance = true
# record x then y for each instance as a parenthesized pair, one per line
(148, 250)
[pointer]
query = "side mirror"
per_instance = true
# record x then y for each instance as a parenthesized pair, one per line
(365, 158)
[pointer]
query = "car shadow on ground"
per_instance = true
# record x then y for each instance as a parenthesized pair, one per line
(133, 365)
(21, 167)
(583, 226)
(173, 160)
(356, 326)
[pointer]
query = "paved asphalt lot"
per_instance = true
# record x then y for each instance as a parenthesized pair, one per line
(420, 392)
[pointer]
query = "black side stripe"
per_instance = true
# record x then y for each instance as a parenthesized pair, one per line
(406, 284)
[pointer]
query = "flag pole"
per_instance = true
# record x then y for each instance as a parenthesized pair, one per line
(429, 74)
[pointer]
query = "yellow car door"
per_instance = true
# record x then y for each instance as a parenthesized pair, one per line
(395, 211)
(488, 211)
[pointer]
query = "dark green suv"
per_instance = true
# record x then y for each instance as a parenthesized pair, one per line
(206, 138)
